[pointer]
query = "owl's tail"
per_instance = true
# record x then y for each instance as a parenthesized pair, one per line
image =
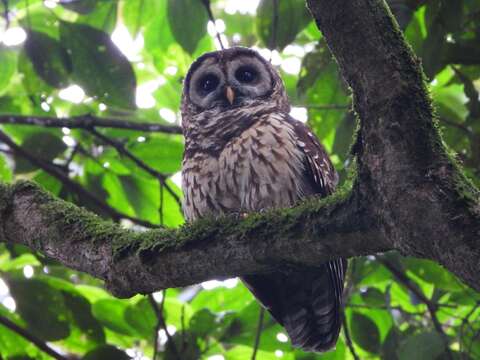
(307, 303)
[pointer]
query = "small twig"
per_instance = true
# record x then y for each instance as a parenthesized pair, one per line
(182, 322)
(6, 13)
(110, 13)
(348, 339)
(160, 209)
(161, 322)
(258, 335)
(208, 8)
(142, 165)
(459, 126)
(274, 24)
(384, 307)
(324, 106)
(53, 170)
(431, 306)
(74, 152)
(27, 8)
(157, 309)
(32, 338)
(137, 21)
(87, 122)
(466, 322)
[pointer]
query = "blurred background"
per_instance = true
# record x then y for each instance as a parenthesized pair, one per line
(89, 109)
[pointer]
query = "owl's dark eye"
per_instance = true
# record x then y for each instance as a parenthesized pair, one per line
(246, 74)
(208, 83)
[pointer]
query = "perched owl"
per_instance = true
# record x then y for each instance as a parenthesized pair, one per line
(244, 153)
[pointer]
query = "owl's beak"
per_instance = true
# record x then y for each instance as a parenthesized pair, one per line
(230, 94)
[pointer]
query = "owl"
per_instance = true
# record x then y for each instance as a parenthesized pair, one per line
(245, 153)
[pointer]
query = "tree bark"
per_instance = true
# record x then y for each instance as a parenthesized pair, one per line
(408, 192)
(424, 205)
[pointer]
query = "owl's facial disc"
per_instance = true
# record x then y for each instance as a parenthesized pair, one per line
(249, 78)
(229, 82)
(206, 84)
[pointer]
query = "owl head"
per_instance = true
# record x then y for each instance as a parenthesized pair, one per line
(225, 90)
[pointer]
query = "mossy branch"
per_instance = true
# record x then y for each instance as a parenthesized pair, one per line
(131, 261)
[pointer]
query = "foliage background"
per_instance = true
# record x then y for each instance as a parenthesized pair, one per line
(126, 60)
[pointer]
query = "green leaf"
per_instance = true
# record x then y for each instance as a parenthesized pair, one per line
(344, 136)
(33, 84)
(45, 312)
(79, 6)
(391, 344)
(162, 152)
(40, 18)
(424, 346)
(221, 299)
(441, 17)
(321, 84)
(414, 33)
(103, 16)
(365, 332)
(203, 322)
(48, 182)
(402, 11)
(98, 65)
(141, 317)
(174, 310)
(143, 195)
(49, 58)
(172, 212)
(5, 171)
(106, 352)
(241, 352)
(42, 145)
(188, 22)
(313, 65)
(116, 197)
(278, 27)
(8, 65)
(433, 273)
(19, 262)
(138, 14)
(373, 297)
(158, 35)
(11, 344)
(186, 347)
(111, 313)
(81, 311)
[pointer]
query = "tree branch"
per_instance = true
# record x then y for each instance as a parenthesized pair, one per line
(142, 262)
(88, 122)
(162, 325)
(32, 338)
(419, 196)
(208, 9)
(70, 184)
(431, 306)
(258, 334)
(348, 339)
(141, 164)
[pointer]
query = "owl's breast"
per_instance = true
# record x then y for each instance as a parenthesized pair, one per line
(261, 168)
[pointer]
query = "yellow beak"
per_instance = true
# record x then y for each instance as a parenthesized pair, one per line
(230, 94)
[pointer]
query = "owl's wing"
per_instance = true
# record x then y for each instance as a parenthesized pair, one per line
(320, 170)
(307, 302)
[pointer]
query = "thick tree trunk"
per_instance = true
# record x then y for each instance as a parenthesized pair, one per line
(423, 204)
(408, 193)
